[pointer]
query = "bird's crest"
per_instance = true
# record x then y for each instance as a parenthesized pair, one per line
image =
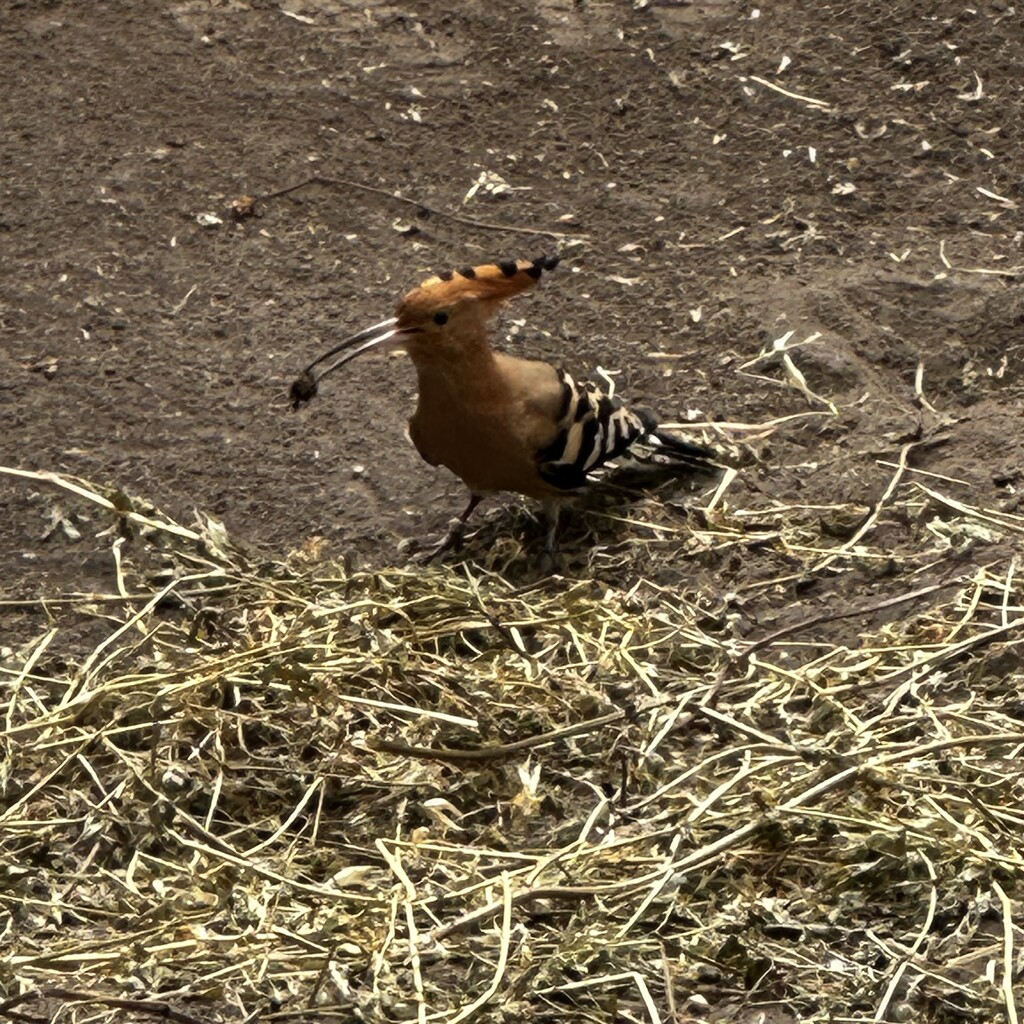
(490, 282)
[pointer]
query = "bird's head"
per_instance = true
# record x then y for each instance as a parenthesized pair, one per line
(434, 316)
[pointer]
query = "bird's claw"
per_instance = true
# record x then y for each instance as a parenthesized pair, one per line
(452, 542)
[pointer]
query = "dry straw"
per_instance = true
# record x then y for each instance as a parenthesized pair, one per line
(234, 790)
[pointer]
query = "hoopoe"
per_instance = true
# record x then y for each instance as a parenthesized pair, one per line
(498, 422)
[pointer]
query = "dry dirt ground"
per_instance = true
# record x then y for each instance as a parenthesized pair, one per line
(717, 175)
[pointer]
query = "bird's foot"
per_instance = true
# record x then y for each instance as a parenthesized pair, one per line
(456, 529)
(452, 542)
(550, 562)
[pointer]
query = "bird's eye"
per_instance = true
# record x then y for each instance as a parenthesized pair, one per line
(440, 319)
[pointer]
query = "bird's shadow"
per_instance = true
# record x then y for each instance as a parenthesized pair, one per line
(616, 518)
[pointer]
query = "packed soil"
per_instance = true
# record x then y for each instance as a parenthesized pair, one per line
(717, 176)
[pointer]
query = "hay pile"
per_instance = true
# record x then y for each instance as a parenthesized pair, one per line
(298, 791)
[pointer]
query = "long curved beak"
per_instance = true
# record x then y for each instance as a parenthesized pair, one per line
(304, 387)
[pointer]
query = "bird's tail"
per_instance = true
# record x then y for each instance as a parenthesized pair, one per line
(669, 444)
(660, 457)
(663, 442)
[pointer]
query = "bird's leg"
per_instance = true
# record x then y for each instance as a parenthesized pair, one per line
(552, 512)
(453, 539)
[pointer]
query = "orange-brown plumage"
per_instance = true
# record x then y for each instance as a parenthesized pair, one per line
(498, 422)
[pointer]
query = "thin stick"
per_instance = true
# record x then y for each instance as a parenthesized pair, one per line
(809, 100)
(925, 472)
(728, 477)
(611, 979)
(875, 512)
(945, 654)
(287, 823)
(415, 963)
(889, 602)
(394, 861)
(497, 750)
(656, 890)
(1008, 965)
(897, 976)
(69, 600)
(156, 1007)
(25, 673)
(1004, 610)
(57, 480)
(1016, 523)
(86, 671)
(919, 388)
(745, 428)
(468, 1012)
(434, 211)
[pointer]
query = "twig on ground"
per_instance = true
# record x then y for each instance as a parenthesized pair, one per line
(397, 197)
(809, 100)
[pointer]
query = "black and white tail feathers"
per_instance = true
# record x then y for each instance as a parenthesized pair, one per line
(668, 444)
(595, 428)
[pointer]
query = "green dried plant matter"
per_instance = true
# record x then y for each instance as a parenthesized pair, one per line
(297, 791)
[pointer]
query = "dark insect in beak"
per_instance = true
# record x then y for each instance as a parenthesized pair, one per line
(304, 387)
(303, 390)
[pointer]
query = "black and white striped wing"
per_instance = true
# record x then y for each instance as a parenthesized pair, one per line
(593, 429)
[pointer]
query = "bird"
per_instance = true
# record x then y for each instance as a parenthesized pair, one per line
(497, 421)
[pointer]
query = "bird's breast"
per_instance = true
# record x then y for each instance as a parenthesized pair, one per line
(483, 439)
